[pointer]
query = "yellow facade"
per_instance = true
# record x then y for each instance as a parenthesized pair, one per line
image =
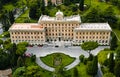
(60, 28)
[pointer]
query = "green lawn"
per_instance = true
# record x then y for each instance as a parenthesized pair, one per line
(49, 59)
(82, 70)
(23, 17)
(102, 5)
(102, 55)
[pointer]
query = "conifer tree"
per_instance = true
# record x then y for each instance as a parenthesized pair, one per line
(113, 43)
(81, 5)
(111, 63)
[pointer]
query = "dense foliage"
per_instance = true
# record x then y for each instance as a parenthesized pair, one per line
(88, 46)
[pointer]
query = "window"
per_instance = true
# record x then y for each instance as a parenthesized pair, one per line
(106, 37)
(86, 32)
(106, 41)
(103, 41)
(86, 37)
(96, 37)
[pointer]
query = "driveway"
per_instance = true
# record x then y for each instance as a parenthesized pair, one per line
(71, 51)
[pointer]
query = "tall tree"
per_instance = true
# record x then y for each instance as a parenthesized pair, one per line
(110, 17)
(5, 21)
(117, 58)
(43, 7)
(75, 74)
(117, 69)
(93, 16)
(1, 42)
(81, 5)
(33, 11)
(111, 63)
(92, 66)
(11, 17)
(88, 46)
(113, 43)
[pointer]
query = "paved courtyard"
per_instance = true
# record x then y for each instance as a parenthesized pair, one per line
(71, 51)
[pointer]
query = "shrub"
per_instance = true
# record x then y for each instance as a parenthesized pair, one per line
(81, 58)
(90, 58)
(33, 58)
(85, 61)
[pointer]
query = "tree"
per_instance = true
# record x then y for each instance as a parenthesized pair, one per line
(110, 17)
(93, 16)
(4, 60)
(43, 7)
(113, 43)
(81, 5)
(32, 71)
(90, 58)
(19, 72)
(20, 62)
(11, 17)
(75, 74)
(13, 55)
(118, 24)
(108, 75)
(92, 66)
(33, 11)
(111, 63)
(88, 46)
(117, 69)
(81, 57)
(1, 42)
(67, 2)
(117, 58)
(95, 65)
(5, 21)
(21, 50)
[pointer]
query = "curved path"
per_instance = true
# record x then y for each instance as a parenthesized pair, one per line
(40, 63)
(71, 51)
(76, 62)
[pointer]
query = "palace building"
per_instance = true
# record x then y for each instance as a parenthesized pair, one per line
(60, 28)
